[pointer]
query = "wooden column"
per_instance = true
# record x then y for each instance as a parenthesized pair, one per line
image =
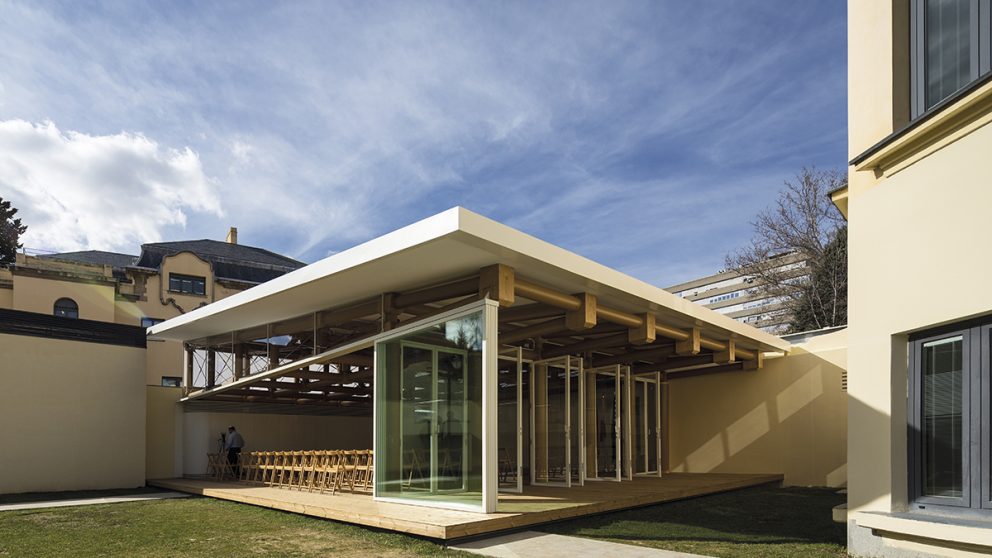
(211, 368)
(665, 425)
(388, 313)
(496, 282)
(239, 361)
(592, 448)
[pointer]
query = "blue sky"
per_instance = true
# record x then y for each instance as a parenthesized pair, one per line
(644, 135)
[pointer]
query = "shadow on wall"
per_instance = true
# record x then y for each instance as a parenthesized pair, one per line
(789, 417)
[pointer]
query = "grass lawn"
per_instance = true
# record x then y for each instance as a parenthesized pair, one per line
(756, 522)
(193, 527)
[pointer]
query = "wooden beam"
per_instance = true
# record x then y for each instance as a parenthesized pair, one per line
(719, 369)
(462, 287)
(691, 345)
(670, 332)
(537, 330)
(188, 372)
(615, 340)
(583, 317)
(745, 354)
(619, 317)
(537, 293)
(388, 313)
(658, 354)
(239, 361)
(496, 282)
(757, 363)
(534, 311)
(644, 333)
(727, 355)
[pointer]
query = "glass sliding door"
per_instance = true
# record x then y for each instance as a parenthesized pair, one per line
(433, 418)
(647, 427)
(510, 379)
(603, 427)
(551, 430)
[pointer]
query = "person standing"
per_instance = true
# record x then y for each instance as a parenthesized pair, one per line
(233, 445)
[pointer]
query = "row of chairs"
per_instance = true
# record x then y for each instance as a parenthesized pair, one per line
(316, 470)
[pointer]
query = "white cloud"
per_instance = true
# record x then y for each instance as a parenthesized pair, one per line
(106, 192)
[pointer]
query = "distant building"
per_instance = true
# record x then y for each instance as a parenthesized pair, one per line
(739, 297)
(165, 280)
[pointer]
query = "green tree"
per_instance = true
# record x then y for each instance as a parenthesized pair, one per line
(798, 253)
(11, 230)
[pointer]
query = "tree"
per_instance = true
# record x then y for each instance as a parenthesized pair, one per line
(798, 254)
(11, 230)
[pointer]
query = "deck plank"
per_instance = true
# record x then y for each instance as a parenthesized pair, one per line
(536, 505)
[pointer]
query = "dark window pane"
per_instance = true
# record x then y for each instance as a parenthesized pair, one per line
(948, 48)
(198, 286)
(942, 418)
(66, 308)
(175, 283)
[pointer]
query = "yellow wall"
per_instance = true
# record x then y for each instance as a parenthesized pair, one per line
(6, 298)
(73, 415)
(38, 294)
(789, 417)
(270, 432)
(163, 433)
(917, 222)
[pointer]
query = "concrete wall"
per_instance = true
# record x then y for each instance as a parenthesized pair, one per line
(73, 415)
(201, 431)
(789, 417)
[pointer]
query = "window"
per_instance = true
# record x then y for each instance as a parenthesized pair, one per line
(950, 48)
(172, 381)
(147, 322)
(187, 284)
(66, 308)
(949, 432)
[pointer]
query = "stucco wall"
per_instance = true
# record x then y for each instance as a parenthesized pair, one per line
(789, 417)
(73, 415)
(38, 294)
(201, 431)
(163, 433)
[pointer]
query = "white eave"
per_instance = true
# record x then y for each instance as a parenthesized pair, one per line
(449, 245)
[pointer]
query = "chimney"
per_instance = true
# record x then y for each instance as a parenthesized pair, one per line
(232, 235)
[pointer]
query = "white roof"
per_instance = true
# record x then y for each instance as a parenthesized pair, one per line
(454, 243)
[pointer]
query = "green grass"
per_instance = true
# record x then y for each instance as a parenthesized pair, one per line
(194, 527)
(756, 522)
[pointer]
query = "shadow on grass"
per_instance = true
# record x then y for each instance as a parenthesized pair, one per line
(760, 515)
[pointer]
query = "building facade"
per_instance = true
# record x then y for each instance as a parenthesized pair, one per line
(920, 310)
(740, 297)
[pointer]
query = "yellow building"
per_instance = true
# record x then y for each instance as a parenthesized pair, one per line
(77, 369)
(920, 442)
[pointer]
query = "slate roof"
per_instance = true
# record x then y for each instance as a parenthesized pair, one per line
(95, 257)
(229, 261)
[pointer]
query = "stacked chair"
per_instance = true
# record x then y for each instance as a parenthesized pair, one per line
(325, 471)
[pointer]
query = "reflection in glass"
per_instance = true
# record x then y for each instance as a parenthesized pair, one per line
(948, 48)
(429, 413)
(942, 418)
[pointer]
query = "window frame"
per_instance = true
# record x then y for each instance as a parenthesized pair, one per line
(193, 281)
(55, 308)
(178, 381)
(980, 47)
(976, 435)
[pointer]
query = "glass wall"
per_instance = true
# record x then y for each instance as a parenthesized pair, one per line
(429, 413)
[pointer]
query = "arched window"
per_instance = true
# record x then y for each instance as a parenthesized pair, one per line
(66, 308)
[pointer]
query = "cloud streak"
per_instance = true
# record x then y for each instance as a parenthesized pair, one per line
(112, 192)
(669, 124)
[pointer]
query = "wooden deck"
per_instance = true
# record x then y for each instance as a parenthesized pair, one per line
(536, 505)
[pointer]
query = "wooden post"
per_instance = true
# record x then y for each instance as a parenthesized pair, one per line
(665, 426)
(727, 355)
(239, 361)
(585, 316)
(211, 368)
(757, 363)
(388, 314)
(690, 346)
(497, 283)
(644, 333)
(592, 451)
